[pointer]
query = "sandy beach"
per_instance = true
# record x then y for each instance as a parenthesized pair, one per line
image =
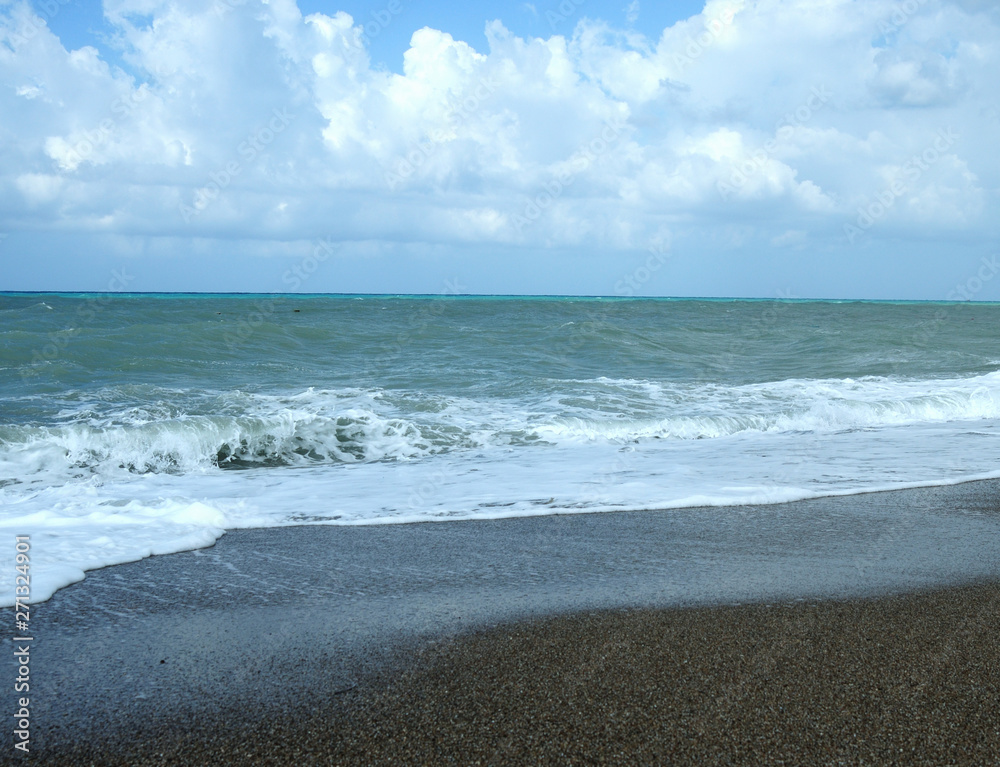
(576, 383)
(821, 632)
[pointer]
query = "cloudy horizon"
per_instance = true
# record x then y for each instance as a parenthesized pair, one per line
(777, 148)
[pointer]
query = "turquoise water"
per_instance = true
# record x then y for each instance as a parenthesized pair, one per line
(137, 424)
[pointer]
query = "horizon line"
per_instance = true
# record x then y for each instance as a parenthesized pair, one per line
(175, 293)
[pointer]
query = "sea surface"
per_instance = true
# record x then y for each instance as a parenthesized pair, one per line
(133, 425)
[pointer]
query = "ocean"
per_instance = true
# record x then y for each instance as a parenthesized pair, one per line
(137, 425)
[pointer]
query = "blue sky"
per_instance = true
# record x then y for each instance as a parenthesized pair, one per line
(768, 148)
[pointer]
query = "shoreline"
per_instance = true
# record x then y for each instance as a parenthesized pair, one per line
(300, 630)
(904, 679)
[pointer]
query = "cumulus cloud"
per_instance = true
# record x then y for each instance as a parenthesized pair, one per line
(253, 120)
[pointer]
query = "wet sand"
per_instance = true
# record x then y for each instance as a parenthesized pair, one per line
(866, 635)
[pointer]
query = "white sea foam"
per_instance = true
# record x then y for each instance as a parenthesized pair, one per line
(112, 481)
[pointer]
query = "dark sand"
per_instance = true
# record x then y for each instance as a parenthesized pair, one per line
(560, 640)
(897, 680)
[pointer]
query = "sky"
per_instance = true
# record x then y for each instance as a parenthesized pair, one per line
(744, 148)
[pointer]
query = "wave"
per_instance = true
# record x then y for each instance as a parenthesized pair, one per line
(201, 442)
(716, 411)
(239, 430)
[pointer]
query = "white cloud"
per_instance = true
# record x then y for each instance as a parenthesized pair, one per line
(793, 238)
(39, 188)
(632, 12)
(717, 118)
